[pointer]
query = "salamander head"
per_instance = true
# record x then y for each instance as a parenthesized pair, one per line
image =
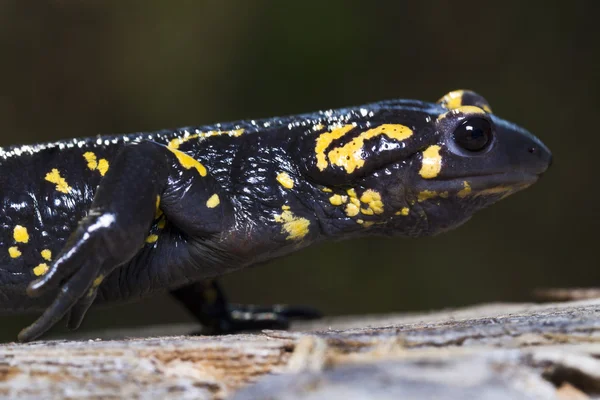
(420, 168)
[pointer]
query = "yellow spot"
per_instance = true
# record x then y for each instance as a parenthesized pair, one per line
(318, 127)
(161, 224)
(360, 221)
(46, 254)
(157, 211)
(463, 110)
(295, 227)
(20, 234)
(338, 200)
(452, 100)
(188, 162)
(151, 238)
(352, 209)
(326, 190)
(285, 207)
(426, 194)
(98, 281)
(404, 211)
(350, 155)
(324, 140)
(61, 185)
(373, 199)
(285, 180)
(93, 164)
(213, 201)
(368, 224)
(351, 193)
(102, 166)
(432, 162)
(430, 194)
(465, 191)
(14, 252)
(90, 157)
(41, 269)
(175, 143)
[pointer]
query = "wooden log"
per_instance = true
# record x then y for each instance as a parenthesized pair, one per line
(499, 351)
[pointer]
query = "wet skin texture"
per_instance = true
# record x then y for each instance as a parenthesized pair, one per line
(120, 217)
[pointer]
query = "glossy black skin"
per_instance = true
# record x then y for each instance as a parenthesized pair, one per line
(99, 228)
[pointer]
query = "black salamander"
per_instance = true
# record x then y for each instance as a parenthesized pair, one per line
(110, 218)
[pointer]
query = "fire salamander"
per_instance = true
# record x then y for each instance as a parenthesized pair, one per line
(111, 218)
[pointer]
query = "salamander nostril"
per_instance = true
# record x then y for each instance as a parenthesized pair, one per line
(532, 150)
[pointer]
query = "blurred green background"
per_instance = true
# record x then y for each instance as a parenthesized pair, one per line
(78, 68)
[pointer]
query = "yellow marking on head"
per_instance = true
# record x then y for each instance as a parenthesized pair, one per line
(426, 195)
(452, 100)
(370, 195)
(175, 143)
(285, 180)
(92, 162)
(373, 199)
(213, 201)
(463, 110)
(46, 254)
(61, 185)
(430, 194)
(350, 157)
(102, 166)
(98, 281)
(285, 207)
(20, 234)
(404, 211)
(295, 227)
(161, 224)
(326, 190)
(352, 210)
(465, 191)
(338, 200)
(432, 162)
(188, 162)
(152, 238)
(41, 269)
(324, 140)
(14, 252)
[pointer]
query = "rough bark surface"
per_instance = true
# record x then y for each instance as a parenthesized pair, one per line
(500, 351)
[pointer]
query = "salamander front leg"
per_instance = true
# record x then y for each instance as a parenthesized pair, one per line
(110, 235)
(207, 303)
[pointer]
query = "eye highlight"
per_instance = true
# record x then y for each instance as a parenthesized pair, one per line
(474, 134)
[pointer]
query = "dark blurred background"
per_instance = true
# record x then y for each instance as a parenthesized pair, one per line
(72, 68)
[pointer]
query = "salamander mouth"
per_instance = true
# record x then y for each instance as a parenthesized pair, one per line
(497, 183)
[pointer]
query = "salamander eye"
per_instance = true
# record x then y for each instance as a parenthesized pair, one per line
(474, 134)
